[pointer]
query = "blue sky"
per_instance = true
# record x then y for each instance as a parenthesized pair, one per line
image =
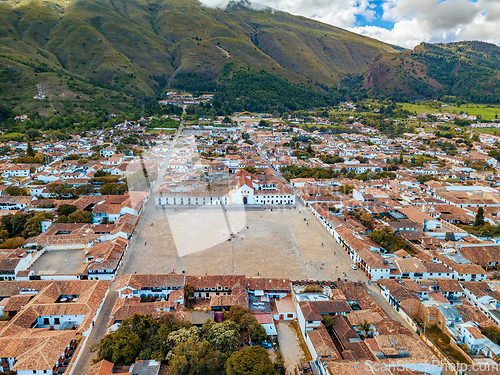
(406, 23)
(377, 20)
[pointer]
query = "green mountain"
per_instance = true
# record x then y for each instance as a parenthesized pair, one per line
(96, 54)
(86, 52)
(465, 71)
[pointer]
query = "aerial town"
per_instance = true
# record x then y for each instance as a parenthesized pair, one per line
(142, 250)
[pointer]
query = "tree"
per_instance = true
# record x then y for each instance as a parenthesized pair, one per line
(346, 189)
(112, 188)
(479, 217)
(32, 134)
(148, 336)
(235, 314)
(253, 328)
(197, 358)
(256, 331)
(4, 234)
(309, 150)
(66, 209)
(493, 333)
(251, 169)
(121, 347)
(14, 224)
(250, 361)
(366, 328)
(29, 151)
(80, 216)
(16, 191)
(61, 190)
(189, 294)
(182, 335)
(100, 173)
(223, 336)
(33, 226)
(386, 239)
(84, 189)
(328, 321)
(13, 243)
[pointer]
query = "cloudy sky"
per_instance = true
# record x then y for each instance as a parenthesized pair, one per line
(406, 23)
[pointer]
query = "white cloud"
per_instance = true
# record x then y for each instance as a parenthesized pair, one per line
(415, 21)
(341, 13)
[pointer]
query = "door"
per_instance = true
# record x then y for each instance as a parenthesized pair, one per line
(245, 200)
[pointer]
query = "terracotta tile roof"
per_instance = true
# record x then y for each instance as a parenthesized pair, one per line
(147, 308)
(323, 343)
(16, 302)
(238, 297)
(101, 368)
(313, 310)
(471, 313)
(481, 255)
(462, 269)
(446, 285)
(359, 316)
(212, 281)
(145, 281)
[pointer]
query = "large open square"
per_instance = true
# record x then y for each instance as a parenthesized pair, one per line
(65, 262)
(267, 242)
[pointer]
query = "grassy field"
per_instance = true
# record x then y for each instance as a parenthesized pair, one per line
(487, 112)
(7, 137)
(493, 131)
(158, 131)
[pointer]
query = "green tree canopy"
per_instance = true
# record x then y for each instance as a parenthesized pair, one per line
(479, 217)
(120, 347)
(196, 358)
(33, 226)
(250, 361)
(66, 209)
(112, 188)
(386, 239)
(80, 216)
(223, 336)
(29, 151)
(61, 191)
(16, 191)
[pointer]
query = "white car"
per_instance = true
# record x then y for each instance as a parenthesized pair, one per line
(354, 267)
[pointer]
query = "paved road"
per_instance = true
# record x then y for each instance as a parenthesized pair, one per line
(101, 325)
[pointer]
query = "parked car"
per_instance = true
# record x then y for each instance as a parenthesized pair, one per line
(354, 267)
(266, 344)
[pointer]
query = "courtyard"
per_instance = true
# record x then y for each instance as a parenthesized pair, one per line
(59, 262)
